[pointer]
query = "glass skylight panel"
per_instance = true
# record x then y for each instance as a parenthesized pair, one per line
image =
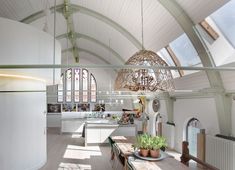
(185, 51)
(167, 58)
(225, 20)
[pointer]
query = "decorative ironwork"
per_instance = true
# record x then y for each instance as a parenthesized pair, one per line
(145, 79)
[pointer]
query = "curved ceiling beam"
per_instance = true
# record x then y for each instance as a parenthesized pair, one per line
(89, 52)
(79, 35)
(77, 8)
(223, 103)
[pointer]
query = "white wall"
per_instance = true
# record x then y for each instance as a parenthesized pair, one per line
(23, 44)
(202, 109)
(23, 107)
(195, 81)
(22, 124)
(233, 118)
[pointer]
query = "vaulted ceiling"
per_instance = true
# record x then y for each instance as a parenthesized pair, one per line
(108, 30)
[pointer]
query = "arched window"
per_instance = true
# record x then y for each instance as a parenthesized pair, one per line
(69, 85)
(192, 129)
(85, 85)
(93, 88)
(61, 89)
(78, 86)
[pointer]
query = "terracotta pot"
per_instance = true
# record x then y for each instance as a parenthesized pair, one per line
(144, 152)
(155, 153)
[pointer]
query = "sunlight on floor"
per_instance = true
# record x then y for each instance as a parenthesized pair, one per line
(175, 154)
(81, 152)
(74, 135)
(71, 166)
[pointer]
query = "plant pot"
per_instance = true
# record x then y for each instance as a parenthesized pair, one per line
(155, 153)
(144, 152)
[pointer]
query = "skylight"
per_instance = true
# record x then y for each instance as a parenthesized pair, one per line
(185, 51)
(225, 20)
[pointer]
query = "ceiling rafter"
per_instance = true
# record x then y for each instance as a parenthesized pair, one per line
(87, 51)
(83, 36)
(67, 12)
(77, 8)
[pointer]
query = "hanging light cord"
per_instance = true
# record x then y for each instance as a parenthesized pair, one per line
(142, 25)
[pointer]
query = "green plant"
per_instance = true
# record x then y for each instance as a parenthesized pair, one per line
(143, 141)
(157, 142)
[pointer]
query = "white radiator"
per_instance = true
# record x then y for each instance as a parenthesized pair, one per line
(220, 153)
(168, 131)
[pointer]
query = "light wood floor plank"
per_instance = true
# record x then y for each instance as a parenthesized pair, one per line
(67, 152)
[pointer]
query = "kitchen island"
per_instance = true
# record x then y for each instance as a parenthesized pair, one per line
(97, 132)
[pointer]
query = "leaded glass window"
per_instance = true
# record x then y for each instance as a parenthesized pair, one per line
(93, 88)
(69, 85)
(61, 89)
(76, 84)
(85, 85)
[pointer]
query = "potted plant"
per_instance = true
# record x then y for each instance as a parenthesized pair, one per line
(156, 144)
(143, 144)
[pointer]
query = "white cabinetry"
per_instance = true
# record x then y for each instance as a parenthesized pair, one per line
(105, 133)
(94, 136)
(99, 133)
(72, 125)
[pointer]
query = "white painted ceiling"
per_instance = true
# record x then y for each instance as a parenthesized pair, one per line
(160, 28)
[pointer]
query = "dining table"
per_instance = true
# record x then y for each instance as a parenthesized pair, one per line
(125, 144)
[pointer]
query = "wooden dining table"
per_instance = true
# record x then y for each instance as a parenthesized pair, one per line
(124, 143)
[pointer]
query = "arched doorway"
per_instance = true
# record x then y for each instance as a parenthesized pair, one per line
(193, 127)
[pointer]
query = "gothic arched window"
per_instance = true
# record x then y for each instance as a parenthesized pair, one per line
(77, 85)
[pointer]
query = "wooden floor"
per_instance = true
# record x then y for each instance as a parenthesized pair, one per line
(67, 152)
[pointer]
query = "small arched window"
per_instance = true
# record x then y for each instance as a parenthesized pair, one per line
(192, 129)
(78, 86)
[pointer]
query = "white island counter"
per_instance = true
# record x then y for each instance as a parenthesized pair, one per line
(98, 132)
